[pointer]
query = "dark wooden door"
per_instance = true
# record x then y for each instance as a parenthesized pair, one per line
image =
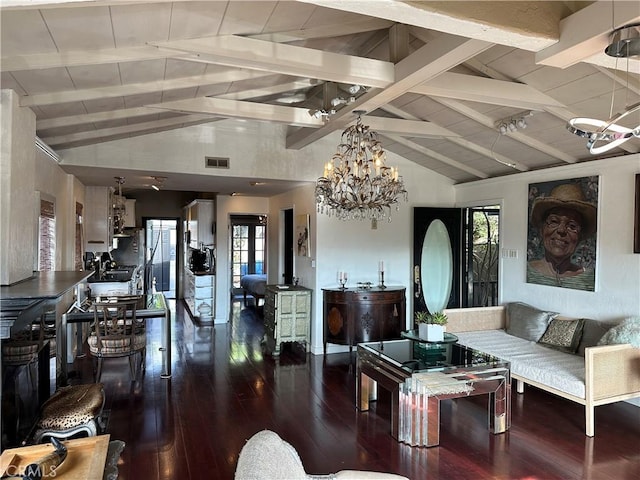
(452, 219)
(287, 254)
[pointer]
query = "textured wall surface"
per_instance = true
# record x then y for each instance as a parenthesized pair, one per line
(18, 211)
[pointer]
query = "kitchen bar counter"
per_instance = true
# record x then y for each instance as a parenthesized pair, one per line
(22, 302)
(44, 285)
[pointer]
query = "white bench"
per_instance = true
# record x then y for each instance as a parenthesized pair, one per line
(605, 374)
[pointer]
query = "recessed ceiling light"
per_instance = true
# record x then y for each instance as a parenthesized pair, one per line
(253, 184)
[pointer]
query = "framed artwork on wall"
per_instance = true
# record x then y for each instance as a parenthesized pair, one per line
(302, 236)
(562, 233)
(636, 218)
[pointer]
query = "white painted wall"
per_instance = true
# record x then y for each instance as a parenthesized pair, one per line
(353, 246)
(18, 205)
(225, 207)
(617, 292)
(255, 150)
(51, 182)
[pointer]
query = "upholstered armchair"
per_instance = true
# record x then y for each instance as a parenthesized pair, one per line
(266, 456)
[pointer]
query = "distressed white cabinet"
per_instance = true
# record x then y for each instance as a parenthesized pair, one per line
(199, 295)
(287, 316)
(98, 219)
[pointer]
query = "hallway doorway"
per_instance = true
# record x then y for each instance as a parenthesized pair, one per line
(248, 246)
(161, 266)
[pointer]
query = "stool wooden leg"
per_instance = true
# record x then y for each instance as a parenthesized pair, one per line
(99, 369)
(132, 366)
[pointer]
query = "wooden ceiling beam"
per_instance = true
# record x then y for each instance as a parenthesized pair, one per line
(245, 110)
(138, 88)
(425, 63)
(240, 52)
(585, 34)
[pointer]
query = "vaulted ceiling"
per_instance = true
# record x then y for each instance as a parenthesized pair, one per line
(437, 79)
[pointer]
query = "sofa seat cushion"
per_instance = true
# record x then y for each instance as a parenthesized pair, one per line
(529, 360)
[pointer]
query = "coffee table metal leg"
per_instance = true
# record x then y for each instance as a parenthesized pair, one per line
(366, 391)
(500, 408)
(433, 421)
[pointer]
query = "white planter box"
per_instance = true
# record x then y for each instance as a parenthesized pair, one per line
(431, 333)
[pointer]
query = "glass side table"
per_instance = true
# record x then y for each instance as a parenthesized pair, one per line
(413, 335)
(430, 353)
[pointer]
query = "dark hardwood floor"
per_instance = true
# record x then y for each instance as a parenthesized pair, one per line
(224, 389)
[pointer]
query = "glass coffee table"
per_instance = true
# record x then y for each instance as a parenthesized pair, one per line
(418, 383)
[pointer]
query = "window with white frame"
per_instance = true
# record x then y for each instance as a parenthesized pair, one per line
(47, 236)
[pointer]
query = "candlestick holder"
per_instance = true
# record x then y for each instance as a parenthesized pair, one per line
(343, 282)
(382, 285)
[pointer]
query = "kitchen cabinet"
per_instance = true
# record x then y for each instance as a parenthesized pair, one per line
(98, 219)
(201, 223)
(199, 295)
(287, 316)
(354, 315)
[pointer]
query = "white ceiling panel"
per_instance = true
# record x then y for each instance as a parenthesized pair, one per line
(196, 19)
(94, 76)
(141, 72)
(103, 70)
(138, 24)
(104, 104)
(62, 109)
(24, 32)
(91, 24)
(243, 18)
(283, 18)
(141, 100)
(43, 81)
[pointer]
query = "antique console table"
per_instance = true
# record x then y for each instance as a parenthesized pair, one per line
(354, 315)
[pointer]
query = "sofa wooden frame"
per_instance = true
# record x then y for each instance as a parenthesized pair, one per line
(612, 372)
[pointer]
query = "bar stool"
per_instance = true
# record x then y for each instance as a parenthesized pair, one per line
(117, 333)
(19, 355)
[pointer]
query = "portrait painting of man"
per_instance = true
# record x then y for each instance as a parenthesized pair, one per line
(561, 241)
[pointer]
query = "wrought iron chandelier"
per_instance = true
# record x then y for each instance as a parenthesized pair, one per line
(357, 184)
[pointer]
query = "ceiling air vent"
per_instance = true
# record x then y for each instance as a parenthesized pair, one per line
(216, 162)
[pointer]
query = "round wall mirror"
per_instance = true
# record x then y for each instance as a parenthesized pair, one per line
(436, 266)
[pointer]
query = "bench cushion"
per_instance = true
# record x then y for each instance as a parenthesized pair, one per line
(529, 360)
(527, 322)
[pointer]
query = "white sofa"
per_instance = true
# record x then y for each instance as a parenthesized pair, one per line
(603, 374)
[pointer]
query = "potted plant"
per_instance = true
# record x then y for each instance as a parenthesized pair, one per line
(431, 325)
